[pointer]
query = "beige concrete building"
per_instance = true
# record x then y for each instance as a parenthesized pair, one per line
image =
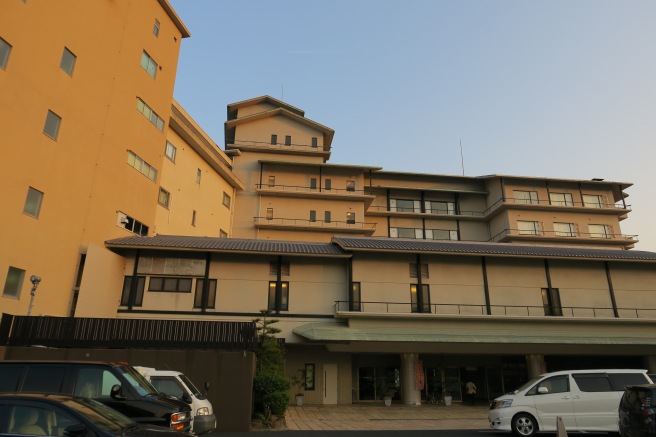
(384, 282)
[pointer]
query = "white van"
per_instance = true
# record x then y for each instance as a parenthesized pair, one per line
(586, 400)
(176, 384)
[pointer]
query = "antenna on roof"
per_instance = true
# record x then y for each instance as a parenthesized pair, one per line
(462, 159)
(282, 92)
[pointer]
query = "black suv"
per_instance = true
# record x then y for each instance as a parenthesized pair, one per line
(638, 411)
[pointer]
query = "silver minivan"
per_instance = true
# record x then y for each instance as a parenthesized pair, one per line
(585, 400)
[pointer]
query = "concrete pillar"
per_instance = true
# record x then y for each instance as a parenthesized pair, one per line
(650, 363)
(410, 395)
(535, 365)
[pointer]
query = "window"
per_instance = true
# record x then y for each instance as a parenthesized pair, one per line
(168, 385)
(51, 127)
(164, 198)
(170, 152)
(327, 217)
(5, 49)
(272, 181)
(274, 139)
(149, 64)
(43, 379)
(526, 197)
(565, 230)
(127, 285)
(420, 298)
(600, 231)
(355, 299)
(211, 294)
(405, 233)
(313, 183)
(440, 234)
(439, 207)
(193, 217)
(350, 218)
(528, 228)
(151, 115)
(198, 175)
(556, 384)
(156, 28)
(313, 216)
(269, 214)
(561, 199)
(593, 201)
(223, 234)
(350, 185)
(142, 166)
(288, 140)
(551, 302)
(328, 184)
(405, 205)
(172, 285)
(284, 268)
(132, 225)
(278, 296)
(314, 142)
(593, 382)
(67, 62)
(423, 267)
(226, 200)
(13, 282)
(33, 202)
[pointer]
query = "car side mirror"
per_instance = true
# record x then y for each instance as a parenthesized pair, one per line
(187, 398)
(75, 430)
(543, 390)
(115, 393)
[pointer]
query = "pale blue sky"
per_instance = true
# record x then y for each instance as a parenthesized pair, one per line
(558, 88)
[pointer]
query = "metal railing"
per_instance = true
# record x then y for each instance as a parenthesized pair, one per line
(508, 232)
(281, 146)
(306, 223)
(306, 189)
(495, 310)
(70, 332)
(434, 212)
(558, 203)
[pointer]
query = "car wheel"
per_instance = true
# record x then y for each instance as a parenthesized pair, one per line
(524, 425)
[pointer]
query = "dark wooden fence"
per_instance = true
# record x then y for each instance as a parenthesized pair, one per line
(71, 332)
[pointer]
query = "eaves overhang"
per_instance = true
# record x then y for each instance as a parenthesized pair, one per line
(175, 18)
(399, 245)
(225, 245)
(265, 99)
(319, 164)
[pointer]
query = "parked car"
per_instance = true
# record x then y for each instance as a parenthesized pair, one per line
(116, 385)
(72, 416)
(586, 400)
(176, 384)
(637, 411)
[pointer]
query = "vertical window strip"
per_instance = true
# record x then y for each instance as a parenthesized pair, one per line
(151, 115)
(142, 166)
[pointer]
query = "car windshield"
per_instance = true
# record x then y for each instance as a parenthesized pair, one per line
(190, 385)
(527, 385)
(137, 381)
(101, 415)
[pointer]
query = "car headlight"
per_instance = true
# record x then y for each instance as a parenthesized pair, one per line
(178, 417)
(502, 404)
(203, 411)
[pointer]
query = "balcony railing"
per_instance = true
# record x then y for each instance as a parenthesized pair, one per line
(281, 146)
(305, 189)
(433, 212)
(319, 224)
(574, 235)
(496, 310)
(558, 203)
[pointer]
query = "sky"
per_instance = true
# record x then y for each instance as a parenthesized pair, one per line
(558, 88)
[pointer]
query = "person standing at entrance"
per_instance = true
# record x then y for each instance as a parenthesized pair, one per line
(470, 388)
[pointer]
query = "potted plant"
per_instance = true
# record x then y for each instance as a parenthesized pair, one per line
(300, 381)
(447, 398)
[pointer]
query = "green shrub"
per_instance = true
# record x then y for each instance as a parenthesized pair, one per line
(270, 392)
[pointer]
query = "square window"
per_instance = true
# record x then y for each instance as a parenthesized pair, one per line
(149, 64)
(288, 140)
(327, 218)
(164, 198)
(13, 282)
(68, 61)
(5, 49)
(226, 200)
(156, 28)
(51, 127)
(350, 218)
(350, 185)
(33, 202)
(170, 151)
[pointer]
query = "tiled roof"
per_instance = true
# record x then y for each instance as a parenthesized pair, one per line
(348, 244)
(213, 244)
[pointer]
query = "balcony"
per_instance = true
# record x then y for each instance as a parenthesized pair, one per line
(538, 235)
(314, 193)
(405, 308)
(547, 205)
(380, 210)
(334, 226)
(265, 146)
